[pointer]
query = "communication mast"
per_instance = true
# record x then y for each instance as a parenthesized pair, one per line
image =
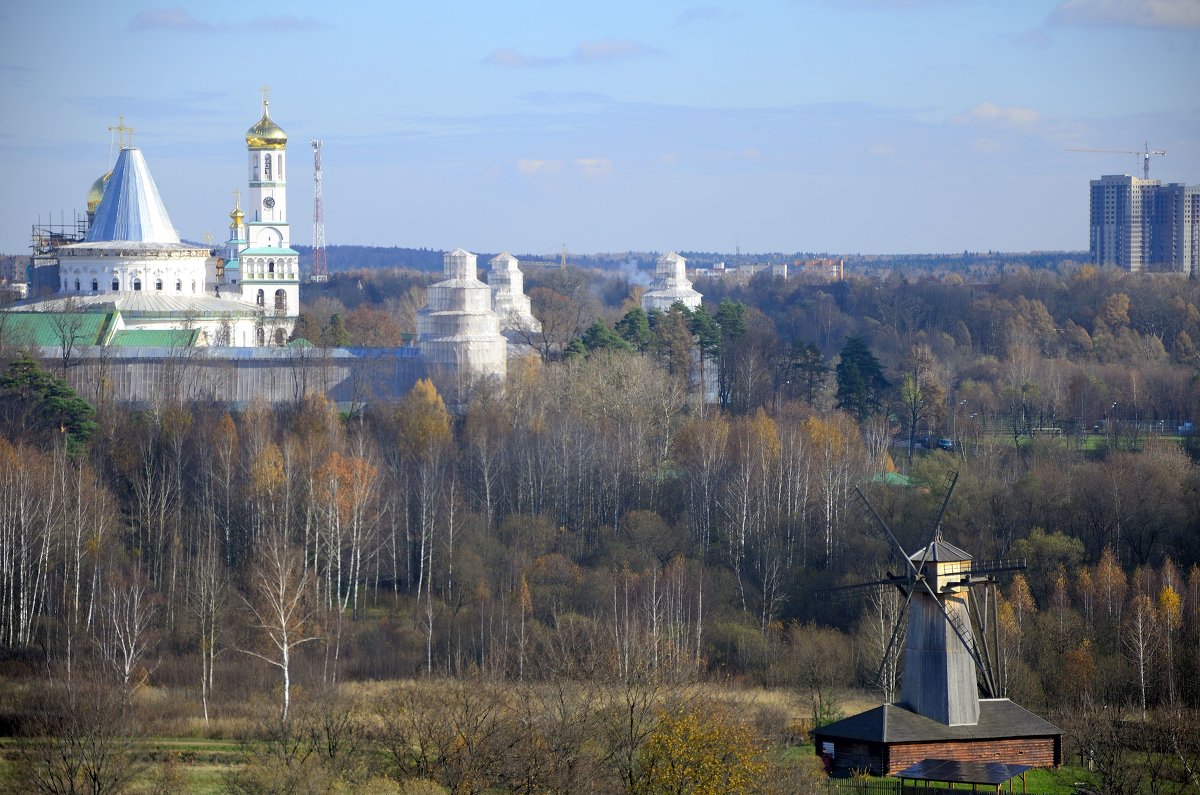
(320, 267)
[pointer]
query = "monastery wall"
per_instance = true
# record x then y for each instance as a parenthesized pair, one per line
(237, 376)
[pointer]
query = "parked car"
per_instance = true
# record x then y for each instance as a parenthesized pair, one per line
(946, 444)
(1187, 428)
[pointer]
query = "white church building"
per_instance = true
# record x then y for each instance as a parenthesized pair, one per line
(132, 265)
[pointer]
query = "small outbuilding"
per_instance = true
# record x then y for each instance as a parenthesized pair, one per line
(890, 738)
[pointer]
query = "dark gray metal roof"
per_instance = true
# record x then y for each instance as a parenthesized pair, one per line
(951, 770)
(891, 723)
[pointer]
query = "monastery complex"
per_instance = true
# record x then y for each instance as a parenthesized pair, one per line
(143, 313)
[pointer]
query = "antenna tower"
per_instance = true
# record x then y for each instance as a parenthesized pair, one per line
(320, 267)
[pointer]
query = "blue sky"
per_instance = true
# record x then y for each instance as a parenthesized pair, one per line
(873, 126)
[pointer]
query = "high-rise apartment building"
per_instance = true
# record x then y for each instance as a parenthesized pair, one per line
(1142, 225)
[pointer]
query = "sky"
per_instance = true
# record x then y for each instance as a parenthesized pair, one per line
(839, 126)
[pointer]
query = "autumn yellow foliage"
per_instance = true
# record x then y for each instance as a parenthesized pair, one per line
(701, 750)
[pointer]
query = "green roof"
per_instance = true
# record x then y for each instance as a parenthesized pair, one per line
(155, 338)
(893, 479)
(300, 343)
(49, 329)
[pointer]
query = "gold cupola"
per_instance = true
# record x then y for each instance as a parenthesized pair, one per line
(97, 192)
(236, 215)
(266, 134)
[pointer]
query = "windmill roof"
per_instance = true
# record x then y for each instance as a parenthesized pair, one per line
(940, 551)
(892, 723)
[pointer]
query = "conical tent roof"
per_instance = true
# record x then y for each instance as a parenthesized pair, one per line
(131, 209)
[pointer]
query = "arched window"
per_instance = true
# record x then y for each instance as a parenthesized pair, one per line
(279, 338)
(193, 285)
(76, 285)
(95, 285)
(270, 266)
(158, 284)
(179, 285)
(279, 168)
(281, 302)
(267, 168)
(261, 300)
(137, 285)
(116, 285)
(260, 337)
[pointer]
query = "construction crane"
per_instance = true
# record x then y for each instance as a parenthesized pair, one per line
(1145, 154)
(320, 268)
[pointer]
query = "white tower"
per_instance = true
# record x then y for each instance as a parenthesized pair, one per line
(670, 286)
(458, 333)
(269, 267)
(508, 295)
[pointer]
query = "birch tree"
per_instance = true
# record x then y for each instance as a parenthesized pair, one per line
(279, 607)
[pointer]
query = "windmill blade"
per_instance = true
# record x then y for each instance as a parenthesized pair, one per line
(964, 636)
(839, 591)
(900, 621)
(987, 568)
(989, 673)
(912, 573)
(937, 521)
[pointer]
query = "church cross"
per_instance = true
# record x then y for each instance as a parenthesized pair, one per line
(122, 131)
(266, 95)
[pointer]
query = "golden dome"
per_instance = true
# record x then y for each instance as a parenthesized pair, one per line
(266, 134)
(237, 215)
(97, 192)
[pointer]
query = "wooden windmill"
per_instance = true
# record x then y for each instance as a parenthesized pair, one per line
(948, 661)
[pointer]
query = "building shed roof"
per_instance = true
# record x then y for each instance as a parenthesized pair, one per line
(892, 723)
(953, 771)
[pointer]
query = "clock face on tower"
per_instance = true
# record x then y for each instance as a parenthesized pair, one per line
(269, 202)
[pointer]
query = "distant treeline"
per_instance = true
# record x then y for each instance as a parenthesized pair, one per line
(346, 258)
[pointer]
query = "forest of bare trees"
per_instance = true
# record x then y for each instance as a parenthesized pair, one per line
(596, 520)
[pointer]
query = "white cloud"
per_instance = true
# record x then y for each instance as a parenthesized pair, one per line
(180, 19)
(515, 60)
(991, 113)
(537, 167)
(588, 52)
(1128, 13)
(176, 18)
(594, 166)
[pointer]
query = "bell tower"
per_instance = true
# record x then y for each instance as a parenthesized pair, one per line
(269, 267)
(266, 143)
